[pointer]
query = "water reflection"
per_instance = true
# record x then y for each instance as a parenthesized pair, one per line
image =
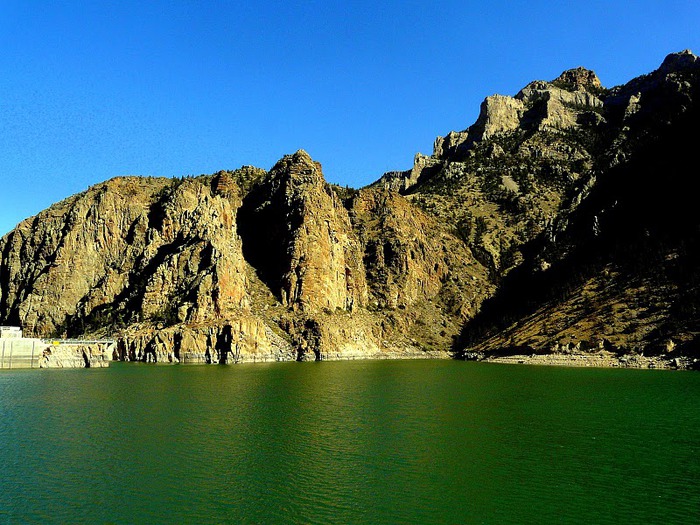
(350, 442)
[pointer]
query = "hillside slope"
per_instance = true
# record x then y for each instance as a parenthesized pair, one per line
(616, 271)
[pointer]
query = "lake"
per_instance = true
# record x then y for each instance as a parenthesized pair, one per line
(349, 442)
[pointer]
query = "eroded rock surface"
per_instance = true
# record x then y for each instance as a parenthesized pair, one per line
(310, 254)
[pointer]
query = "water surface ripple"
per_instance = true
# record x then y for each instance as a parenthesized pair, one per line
(349, 442)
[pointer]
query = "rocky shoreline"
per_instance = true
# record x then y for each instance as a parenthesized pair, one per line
(601, 359)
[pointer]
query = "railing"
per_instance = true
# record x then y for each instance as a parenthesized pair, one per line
(78, 341)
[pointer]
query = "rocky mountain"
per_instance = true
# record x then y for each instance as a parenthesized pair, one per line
(560, 221)
(242, 265)
(617, 270)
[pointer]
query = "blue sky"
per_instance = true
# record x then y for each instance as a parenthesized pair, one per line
(91, 90)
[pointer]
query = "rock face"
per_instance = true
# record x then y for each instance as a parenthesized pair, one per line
(245, 338)
(408, 255)
(516, 233)
(578, 79)
(311, 256)
(94, 355)
(559, 105)
(238, 266)
(498, 114)
(129, 248)
(677, 62)
(532, 187)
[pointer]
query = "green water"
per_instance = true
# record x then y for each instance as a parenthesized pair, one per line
(349, 442)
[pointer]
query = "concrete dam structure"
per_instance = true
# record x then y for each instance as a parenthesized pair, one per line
(27, 352)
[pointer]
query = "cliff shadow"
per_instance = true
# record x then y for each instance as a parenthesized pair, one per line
(266, 224)
(641, 217)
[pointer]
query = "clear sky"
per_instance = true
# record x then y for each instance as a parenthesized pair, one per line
(94, 89)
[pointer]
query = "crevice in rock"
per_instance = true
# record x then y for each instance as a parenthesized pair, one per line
(177, 345)
(223, 344)
(264, 222)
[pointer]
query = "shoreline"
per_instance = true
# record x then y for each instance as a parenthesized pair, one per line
(271, 358)
(597, 360)
(602, 359)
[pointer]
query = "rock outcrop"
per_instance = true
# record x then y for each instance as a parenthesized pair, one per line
(311, 256)
(87, 355)
(36, 353)
(558, 105)
(240, 339)
(578, 79)
(238, 266)
(516, 183)
(408, 255)
(131, 249)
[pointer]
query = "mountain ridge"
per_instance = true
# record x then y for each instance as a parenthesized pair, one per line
(254, 265)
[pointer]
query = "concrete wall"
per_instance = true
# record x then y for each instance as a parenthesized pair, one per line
(21, 353)
(35, 353)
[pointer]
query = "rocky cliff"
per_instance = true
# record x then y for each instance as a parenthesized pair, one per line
(577, 199)
(238, 266)
(522, 232)
(615, 271)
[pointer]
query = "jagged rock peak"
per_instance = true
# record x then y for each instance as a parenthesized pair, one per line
(298, 166)
(578, 78)
(677, 61)
(539, 105)
(300, 155)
